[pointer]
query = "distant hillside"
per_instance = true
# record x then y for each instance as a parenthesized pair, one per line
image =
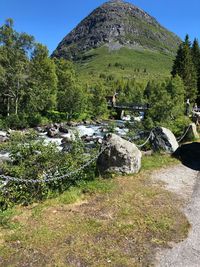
(124, 63)
(119, 32)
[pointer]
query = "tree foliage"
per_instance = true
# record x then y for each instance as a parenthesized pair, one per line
(166, 101)
(98, 107)
(185, 68)
(14, 50)
(42, 90)
(35, 87)
(70, 95)
(196, 59)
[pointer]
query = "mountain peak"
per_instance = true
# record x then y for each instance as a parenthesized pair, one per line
(116, 24)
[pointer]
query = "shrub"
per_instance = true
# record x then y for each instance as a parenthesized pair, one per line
(2, 124)
(34, 120)
(16, 121)
(33, 159)
(56, 116)
(179, 125)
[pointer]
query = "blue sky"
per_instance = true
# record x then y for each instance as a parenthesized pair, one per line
(49, 20)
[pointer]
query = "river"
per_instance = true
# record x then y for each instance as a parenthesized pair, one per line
(90, 132)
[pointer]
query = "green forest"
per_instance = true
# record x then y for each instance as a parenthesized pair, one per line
(36, 89)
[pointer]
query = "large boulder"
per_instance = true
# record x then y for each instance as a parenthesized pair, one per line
(163, 139)
(120, 156)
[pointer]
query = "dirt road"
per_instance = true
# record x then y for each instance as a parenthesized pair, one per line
(186, 183)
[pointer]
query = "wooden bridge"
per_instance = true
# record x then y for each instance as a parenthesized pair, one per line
(120, 108)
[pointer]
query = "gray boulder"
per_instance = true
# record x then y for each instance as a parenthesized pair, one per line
(3, 137)
(52, 132)
(121, 156)
(40, 129)
(64, 128)
(66, 144)
(163, 139)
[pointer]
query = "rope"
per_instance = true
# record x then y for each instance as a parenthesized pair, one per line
(147, 140)
(53, 178)
(181, 138)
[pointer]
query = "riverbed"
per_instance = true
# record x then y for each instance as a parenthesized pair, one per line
(89, 133)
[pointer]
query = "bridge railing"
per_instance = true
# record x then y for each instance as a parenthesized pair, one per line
(129, 106)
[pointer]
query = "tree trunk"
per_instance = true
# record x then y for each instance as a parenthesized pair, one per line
(8, 107)
(17, 98)
(16, 106)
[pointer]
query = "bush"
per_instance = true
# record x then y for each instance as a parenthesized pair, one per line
(33, 159)
(2, 124)
(16, 121)
(179, 125)
(56, 116)
(34, 120)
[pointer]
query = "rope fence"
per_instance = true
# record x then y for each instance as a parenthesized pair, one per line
(53, 177)
(56, 177)
(185, 133)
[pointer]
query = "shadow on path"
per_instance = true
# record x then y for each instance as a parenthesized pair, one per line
(189, 155)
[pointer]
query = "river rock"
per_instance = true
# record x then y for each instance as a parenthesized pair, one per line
(66, 144)
(163, 139)
(56, 125)
(86, 122)
(72, 123)
(40, 129)
(120, 157)
(3, 133)
(52, 132)
(3, 139)
(64, 128)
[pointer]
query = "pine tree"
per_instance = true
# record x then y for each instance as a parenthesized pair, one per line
(185, 68)
(196, 60)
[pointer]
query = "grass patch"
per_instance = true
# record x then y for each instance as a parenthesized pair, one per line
(157, 161)
(112, 222)
(5, 219)
(127, 63)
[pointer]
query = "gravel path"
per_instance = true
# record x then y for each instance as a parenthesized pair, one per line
(186, 183)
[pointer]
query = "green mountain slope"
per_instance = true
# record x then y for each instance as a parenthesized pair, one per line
(124, 63)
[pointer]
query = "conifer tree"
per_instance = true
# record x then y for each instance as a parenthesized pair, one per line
(185, 68)
(196, 60)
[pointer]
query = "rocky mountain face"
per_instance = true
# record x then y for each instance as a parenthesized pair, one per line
(116, 24)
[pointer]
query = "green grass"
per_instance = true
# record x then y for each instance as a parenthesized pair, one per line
(115, 222)
(157, 161)
(151, 64)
